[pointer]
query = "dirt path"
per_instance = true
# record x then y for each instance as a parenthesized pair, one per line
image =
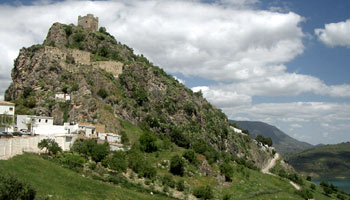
(266, 170)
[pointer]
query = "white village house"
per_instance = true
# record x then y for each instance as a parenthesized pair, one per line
(7, 116)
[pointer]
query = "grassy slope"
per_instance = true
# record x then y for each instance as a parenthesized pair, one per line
(325, 161)
(50, 179)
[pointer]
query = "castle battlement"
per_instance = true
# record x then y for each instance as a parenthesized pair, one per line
(88, 22)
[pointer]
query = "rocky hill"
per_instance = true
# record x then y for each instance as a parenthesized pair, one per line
(108, 83)
(283, 143)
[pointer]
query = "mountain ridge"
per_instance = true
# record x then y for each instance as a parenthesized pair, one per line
(281, 141)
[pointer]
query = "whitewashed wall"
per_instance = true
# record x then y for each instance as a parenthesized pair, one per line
(10, 147)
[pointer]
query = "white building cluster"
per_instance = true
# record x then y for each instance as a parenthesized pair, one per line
(44, 127)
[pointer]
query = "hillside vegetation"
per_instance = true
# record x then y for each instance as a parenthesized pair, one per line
(177, 144)
(324, 161)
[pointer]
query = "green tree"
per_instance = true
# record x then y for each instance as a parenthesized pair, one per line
(50, 145)
(99, 152)
(12, 188)
(177, 165)
(117, 161)
(148, 142)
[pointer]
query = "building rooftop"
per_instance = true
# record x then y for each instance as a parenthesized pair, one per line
(6, 103)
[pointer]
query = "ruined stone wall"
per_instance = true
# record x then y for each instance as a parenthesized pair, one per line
(113, 67)
(55, 53)
(80, 57)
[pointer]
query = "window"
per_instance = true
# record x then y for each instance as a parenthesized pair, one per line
(39, 120)
(11, 109)
(46, 121)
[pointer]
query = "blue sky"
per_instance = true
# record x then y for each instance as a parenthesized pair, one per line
(282, 62)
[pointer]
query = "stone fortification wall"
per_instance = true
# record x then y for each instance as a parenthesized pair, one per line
(55, 53)
(84, 58)
(10, 147)
(112, 67)
(81, 57)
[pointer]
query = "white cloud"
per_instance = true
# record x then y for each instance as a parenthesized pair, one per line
(296, 126)
(223, 99)
(335, 34)
(180, 80)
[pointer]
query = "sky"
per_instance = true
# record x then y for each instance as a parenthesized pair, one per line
(281, 62)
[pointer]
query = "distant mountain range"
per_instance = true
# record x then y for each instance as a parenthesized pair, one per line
(330, 161)
(283, 143)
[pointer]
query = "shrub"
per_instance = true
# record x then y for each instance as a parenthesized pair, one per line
(68, 30)
(99, 152)
(72, 160)
(51, 146)
(305, 194)
(13, 188)
(124, 138)
(78, 37)
(168, 180)
(117, 161)
(313, 186)
(138, 163)
(180, 185)
(190, 155)
(177, 165)
(102, 93)
(262, 139)
(203, 192)
(308, 178)
(148, 142)
(227, 170)
(189, 108)
(27, 92)
(179, 138)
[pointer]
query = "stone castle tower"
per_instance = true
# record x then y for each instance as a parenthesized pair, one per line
(88, 22)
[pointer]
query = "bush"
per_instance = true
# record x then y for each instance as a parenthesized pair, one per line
(190, 155)
(227, 170)
(138, 163)
(262, 139)
(51, 146)
(72, 160)
(78, 37)
(180, 186)
(124, 138)
(177, 165)
(204, 192)
(168, 180)
(102, 93)
(13, 188)
(189, 108)
(305, 194)
(116, 162)
(99, 152)
(313, 186)
(308, 178)
(68, 30)
(90, 148)
(179, 138)
(148, 142)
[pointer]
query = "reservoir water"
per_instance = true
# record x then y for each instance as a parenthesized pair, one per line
(343, 184)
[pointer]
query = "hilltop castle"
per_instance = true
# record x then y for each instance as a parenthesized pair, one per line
(88, 22)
